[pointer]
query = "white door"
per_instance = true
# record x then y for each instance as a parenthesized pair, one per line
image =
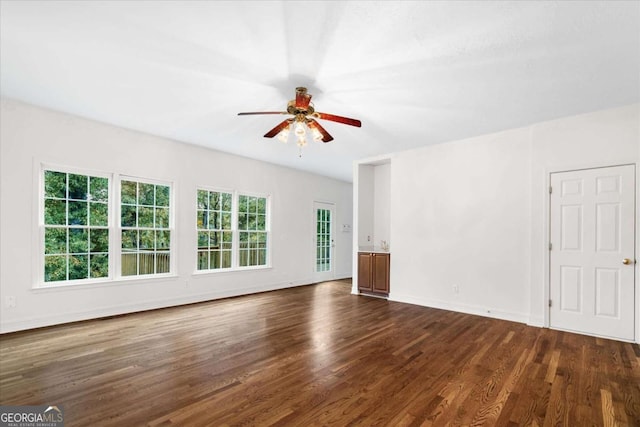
(323, 241)
(592, 255)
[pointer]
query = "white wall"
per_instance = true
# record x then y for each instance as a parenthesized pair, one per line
(460, 215)
(365, 204)
(381, 203)
(472, 213)
(373, 203)
(30, 136)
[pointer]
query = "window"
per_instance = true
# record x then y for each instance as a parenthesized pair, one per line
(80, 236)
(215, 235)
(232, 230)
(76, 226)
(252, 230)
(85, 237)
(145, 215)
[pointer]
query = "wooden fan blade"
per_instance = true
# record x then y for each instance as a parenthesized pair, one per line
(339, 119)
(315, 125)
(262, 112)
(276, 130)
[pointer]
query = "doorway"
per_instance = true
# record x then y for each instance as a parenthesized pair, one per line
(324, 241)
(592, 251)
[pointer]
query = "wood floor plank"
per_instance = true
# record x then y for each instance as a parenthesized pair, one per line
(319, 356)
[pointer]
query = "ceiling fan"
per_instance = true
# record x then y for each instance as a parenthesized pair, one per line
(303, 114)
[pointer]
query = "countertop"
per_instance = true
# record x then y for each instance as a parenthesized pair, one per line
(372, 249)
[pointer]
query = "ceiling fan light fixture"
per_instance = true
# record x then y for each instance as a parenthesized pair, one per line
(317, 136)
(300, 130)
(283, 136)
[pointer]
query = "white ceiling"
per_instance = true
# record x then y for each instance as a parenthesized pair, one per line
(415, 73)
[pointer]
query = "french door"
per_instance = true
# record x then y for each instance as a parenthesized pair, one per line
(324, 268)
(592, 255)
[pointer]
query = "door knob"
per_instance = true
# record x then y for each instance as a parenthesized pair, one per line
(626, 261)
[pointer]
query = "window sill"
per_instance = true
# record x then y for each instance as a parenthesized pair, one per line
(230, 270)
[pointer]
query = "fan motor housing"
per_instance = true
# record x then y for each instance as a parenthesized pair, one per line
(291, 109)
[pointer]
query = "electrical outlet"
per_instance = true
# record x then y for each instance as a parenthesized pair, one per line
(10, 301)
(456, 290)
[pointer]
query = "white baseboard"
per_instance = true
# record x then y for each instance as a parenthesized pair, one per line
(341, 276)
(462, 308)
(536, 321)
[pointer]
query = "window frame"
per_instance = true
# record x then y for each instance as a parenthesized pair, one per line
(233, 231)
(235, 254)
(267, 230)
(40, 282)
(115, 229)
(114, 205)
(119, 228)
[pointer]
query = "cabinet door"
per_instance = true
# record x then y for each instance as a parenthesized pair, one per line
(364, 271)
(380, 273)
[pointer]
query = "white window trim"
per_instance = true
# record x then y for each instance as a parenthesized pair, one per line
(114, 226)
(39, 248)
(118, 228)
(234, 226)
(267, 229)
(235, 258)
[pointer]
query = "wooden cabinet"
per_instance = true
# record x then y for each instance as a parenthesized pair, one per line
(373, 272)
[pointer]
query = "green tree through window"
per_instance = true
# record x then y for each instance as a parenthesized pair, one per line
(252, 230)
(145, 222)
(215, 237)
(76, 232)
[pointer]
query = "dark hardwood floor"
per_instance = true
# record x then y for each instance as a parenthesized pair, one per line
(316, 355)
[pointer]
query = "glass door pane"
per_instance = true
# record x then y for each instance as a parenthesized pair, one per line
(324, 214)
(323, 240)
